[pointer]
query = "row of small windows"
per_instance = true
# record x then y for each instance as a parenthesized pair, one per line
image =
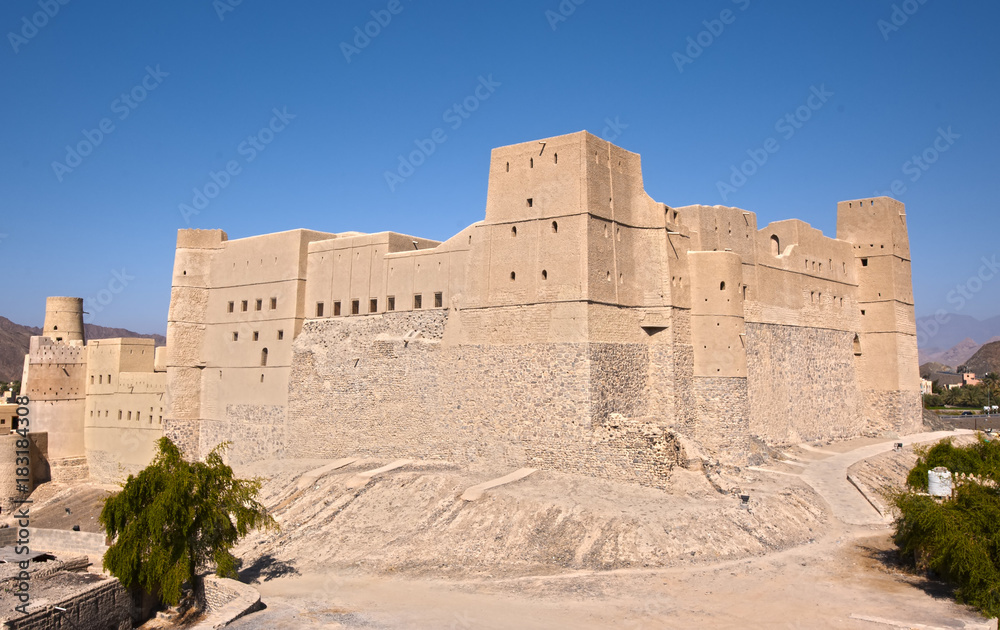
(256, 335)
(245, 305)
(817, 296)
(100, 379)
(531, 161)
(122, 415)
(390, 305)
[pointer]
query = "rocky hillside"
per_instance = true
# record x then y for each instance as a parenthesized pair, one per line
(14, 340)
(987, 359)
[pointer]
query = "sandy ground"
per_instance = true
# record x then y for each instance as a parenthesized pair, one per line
(817, 578)
(819, 585)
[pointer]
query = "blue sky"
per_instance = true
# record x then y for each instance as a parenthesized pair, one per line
(102, 226)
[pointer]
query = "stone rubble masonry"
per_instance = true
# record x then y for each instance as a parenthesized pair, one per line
(370, 387)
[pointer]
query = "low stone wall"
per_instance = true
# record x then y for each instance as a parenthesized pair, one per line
(227, 600)
(62, 540)
(105, 605)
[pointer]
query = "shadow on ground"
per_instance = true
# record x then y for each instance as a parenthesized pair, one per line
(266, 568)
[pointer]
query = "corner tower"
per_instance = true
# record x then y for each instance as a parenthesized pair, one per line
(64, 319)
(886, 344)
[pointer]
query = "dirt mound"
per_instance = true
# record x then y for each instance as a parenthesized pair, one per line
(414, 520)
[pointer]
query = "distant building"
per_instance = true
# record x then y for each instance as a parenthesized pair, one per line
(969, 378)
(926, 387)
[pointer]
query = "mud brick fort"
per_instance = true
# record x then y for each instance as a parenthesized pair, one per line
(582, 326)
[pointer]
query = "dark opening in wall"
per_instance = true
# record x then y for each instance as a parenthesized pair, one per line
(55, 328)
(722, 286)
(418, 301)
(857, 346)
(864, 262)
(274, 303)
(776, 246)
(259, 305)
(545, 275)
(263, 357)
(531, 202)
(281, 335)
(556, 158)
(513, 276)
(243, 306)
(336, 309)
(532, 163)
(256, 335)
(513, 230)
(390, 303)
(508, 167)
(373, 305)
(438, 300)
(355, 307)
(232, 307)
(58, 338)
(555, 227)
(319, 309)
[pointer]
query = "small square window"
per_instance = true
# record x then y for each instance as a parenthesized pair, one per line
(373, 305)
(336, 309)
(243, 306)
(864, 262)
(355, 307)
(256, 335)
(232, 307)
(274, 303)
(259, 305)
(281, 335)
(438, 300)
(417, 300)
(319, 309)
(390, 303)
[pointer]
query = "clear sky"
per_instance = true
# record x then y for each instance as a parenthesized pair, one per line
(115, 112)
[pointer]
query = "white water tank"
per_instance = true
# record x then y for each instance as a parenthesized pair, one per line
(939, 482)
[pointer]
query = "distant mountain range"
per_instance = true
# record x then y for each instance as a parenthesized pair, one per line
(14, 340)
(986, 359)
(956, 341)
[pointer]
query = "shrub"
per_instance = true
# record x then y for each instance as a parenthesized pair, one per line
(959, 538)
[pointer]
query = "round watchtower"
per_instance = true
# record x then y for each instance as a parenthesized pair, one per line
(64, 319)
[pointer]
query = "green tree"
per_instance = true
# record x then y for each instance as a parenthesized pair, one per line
(958, 537)
(176, 518)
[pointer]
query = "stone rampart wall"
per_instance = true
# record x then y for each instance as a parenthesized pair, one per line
(386, 386)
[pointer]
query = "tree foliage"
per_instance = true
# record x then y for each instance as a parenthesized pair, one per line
(958, 537)
(966, 396)
(176, 518)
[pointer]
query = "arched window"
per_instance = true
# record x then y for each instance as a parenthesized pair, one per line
(775, 245)
(263, 358)
(857, 346)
